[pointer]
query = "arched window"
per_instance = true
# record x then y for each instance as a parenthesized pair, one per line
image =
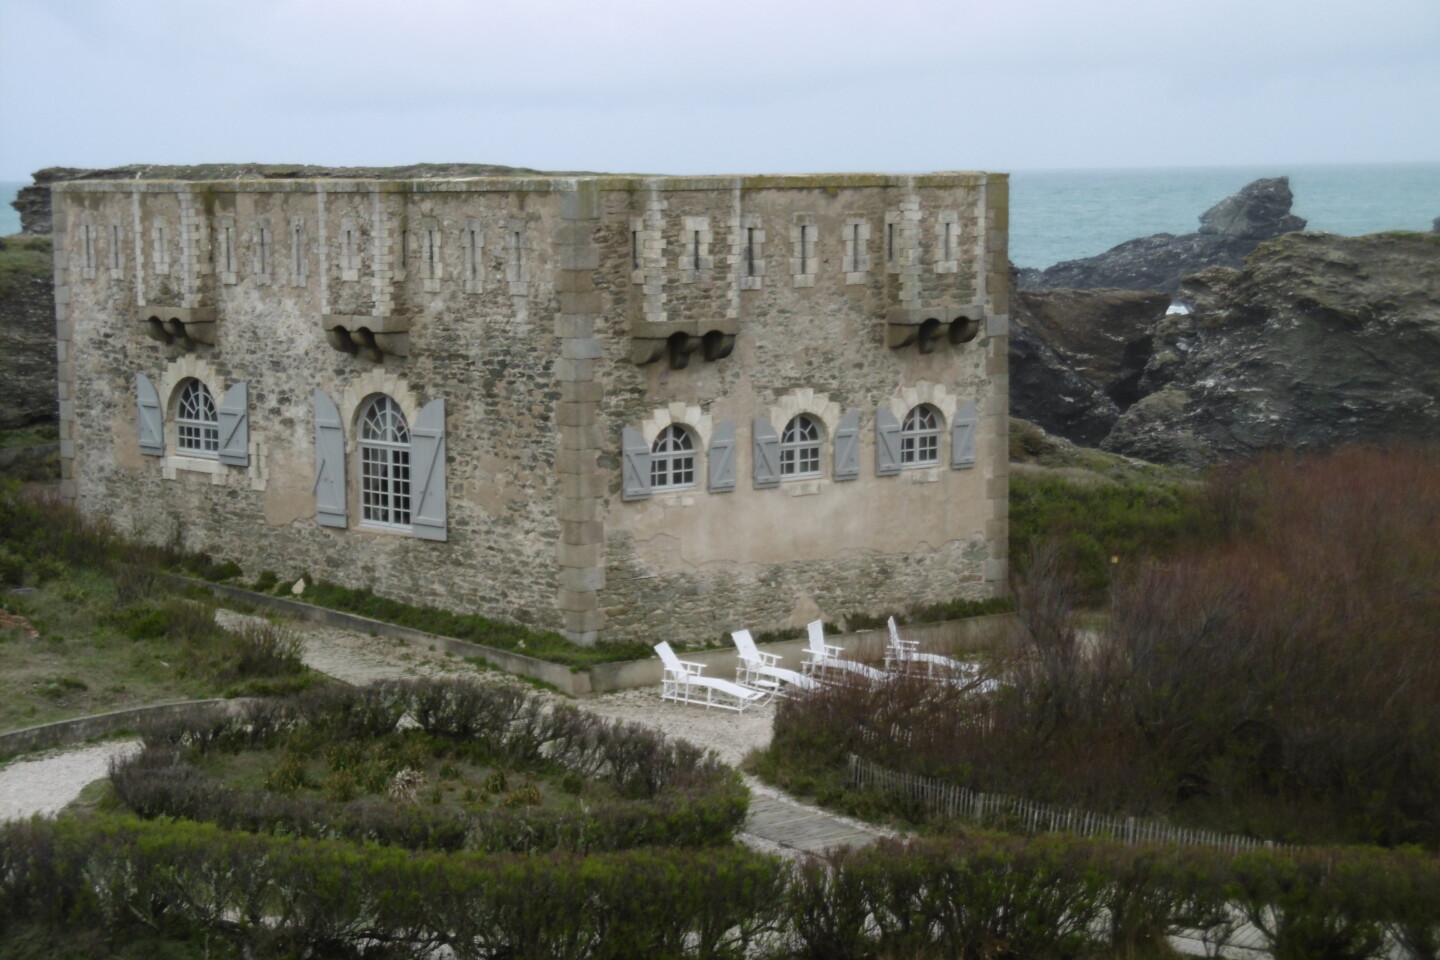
(384, 464)
(197, 426)
(800, 447)
(672, 459)
(920, 437)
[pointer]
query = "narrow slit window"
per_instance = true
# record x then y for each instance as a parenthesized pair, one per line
(635, 249)
(695, 249)
(263, 249)
(472, 259)
(855, 248)
(804, 249)
(89, 243)
(889, 243)
(750, 251)
(949, 240)
(114, 246)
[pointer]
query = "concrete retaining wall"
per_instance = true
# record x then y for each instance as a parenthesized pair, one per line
(63, 732)
(866, 645)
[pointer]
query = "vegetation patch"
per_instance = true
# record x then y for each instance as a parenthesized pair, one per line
(1276, 678)
(23, 258)
(103, 883)
(444, 765)
(86, 627)
(541, 644)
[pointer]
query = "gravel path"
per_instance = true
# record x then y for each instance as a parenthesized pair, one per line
(45, 784)
(778, 822)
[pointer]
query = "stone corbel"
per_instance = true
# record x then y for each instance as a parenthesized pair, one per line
(680, 339)
(373, 338)
(928, 327)
(184, 325)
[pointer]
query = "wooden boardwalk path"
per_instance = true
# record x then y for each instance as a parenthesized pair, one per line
(796, 828)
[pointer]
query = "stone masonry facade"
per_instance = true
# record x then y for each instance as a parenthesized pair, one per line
(620, 408)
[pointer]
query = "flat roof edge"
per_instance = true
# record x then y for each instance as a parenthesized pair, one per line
(551, 184)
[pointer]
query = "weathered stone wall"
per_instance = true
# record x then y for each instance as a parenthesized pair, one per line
(489, 354)
(526, 304)
(693, 563)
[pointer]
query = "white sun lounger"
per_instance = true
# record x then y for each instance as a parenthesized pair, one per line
(684, 682)
(826, 657)
(761, 671)
(903, 656)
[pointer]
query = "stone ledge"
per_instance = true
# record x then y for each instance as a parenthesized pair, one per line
(602, 677)
(81, 729)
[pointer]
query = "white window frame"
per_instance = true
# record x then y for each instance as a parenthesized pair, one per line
(674, 463)
(197, 421)
(802, 444)
(386, 496)
(920, 437)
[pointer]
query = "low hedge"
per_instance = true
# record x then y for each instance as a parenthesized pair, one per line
(982, 896)
(673, 793)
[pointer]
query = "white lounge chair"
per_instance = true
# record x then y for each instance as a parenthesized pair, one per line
(904, 656)
(761, 671)
(826, 658)
(684, 682)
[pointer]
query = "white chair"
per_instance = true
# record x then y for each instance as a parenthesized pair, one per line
(903, 656)
(825, 657)
(684, 682)
(761, 671)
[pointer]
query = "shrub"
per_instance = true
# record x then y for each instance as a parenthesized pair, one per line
(1279, 679)
(677, 793)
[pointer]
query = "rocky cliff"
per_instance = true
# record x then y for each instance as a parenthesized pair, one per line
(1077, 357)
(27, 333)
(1319, 340)
(1228, 232)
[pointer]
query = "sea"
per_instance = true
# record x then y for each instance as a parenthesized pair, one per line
(1060, 215)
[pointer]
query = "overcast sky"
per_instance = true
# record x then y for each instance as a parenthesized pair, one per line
(740, 86)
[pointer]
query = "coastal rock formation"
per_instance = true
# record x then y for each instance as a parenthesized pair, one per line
(1228, 232)
(33, 201)
(1077, 357)
(1320, 340)
(27, 342)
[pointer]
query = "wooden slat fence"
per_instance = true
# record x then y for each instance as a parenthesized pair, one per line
(1021, 815)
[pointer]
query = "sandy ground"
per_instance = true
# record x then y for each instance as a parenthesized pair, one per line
(45, 784)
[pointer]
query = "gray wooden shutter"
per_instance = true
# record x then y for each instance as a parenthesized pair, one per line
(887, 443)
(847, 446)
(149, 418)
(330, 508)
(427, 472)
(962, 436)
(767, 453)
(235, 426)
(634, 465)
(721, 458)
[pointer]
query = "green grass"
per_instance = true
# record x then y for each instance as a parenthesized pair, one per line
(28, 437)
(1102, 526)
(94, 653)
(543, 645)
(22, 258)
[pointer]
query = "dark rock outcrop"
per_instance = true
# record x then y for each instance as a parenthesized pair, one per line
(27, 346)
(1228, 232)
(1077, 357)
(1320, 340)
(33, 202)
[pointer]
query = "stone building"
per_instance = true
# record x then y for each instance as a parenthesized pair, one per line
(639, 408)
